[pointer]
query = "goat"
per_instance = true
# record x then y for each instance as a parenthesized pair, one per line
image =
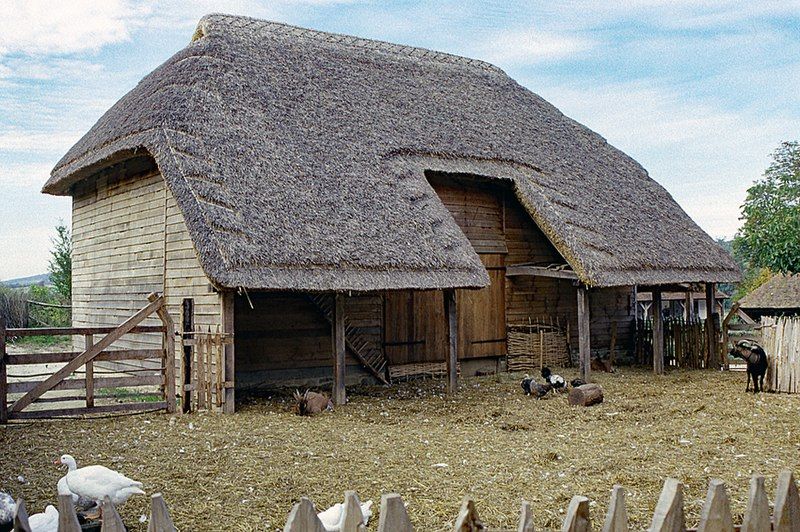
(311, 403)
(757, 363)
(599, 364)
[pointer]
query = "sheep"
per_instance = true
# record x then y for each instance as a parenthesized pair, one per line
(311, 403)
(756, 360)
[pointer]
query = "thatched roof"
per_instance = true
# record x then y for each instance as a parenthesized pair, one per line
(298, 160)
(780, 293)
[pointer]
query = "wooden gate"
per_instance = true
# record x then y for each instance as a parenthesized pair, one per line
(206, 369)
(101, 383)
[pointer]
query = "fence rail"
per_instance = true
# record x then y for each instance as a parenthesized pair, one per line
(151, 368)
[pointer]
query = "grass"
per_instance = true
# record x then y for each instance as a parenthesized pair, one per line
(244, 472)
(35, 342)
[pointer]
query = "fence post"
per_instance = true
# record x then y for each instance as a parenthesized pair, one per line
(303, 518)
(67, 520)
(394, 517)
(467, 518)
(716, 515)
(756, 517)
(668, 516)
(112, 522)
(617, 515)
(160, 521)
(3, 373)
(577, 519)
(787, 503)
(525, 518)
(21, 518)
(88, 343)
(168, 344)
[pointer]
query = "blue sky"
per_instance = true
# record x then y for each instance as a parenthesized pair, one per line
(699, 92)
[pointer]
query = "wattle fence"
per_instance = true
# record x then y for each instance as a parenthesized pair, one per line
(781, 342)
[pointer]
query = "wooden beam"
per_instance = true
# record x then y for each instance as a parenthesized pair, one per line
(228, 327)
(88, 342)
(711, 327)
(81, 359)
(584, 333)
(539, 271)
(339, 349)
(168, 357)
(67, 331)
(658, 334)
(187, 326)
(452, 345)
(3, 373)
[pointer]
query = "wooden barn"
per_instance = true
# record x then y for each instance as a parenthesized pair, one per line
(779, 296)
(339, 207)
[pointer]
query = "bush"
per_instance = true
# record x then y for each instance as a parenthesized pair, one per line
(14, 306)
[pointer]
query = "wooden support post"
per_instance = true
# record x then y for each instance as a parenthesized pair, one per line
(88, 343)
(525, 518)
(668, 516)
(584, 332)
(228, 327)
(160, 521)
(338, 343)
(577, 519)
(658, 334)
(711, 333)
(168, 359)
(467, 518)
(21, 517)
(617, 515)
(716, 514)
(452, 335)
(303, 518)
(756, 516)
(3, 373)
(352, 517)
(787, 504)
(187, 326)
(112, 522)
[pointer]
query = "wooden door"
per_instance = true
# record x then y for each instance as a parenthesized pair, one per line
(414, 326)
(482, 314)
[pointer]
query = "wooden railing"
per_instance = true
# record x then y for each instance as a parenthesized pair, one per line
(161, 376)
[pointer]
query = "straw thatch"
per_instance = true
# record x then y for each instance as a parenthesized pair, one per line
(298, 159)
(779, 295)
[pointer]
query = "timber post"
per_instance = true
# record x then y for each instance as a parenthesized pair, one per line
(168, 345)
(187, 326)
(711, 332)
(3, 373)
(452, 344)
(228, 327)
(339, 393)
(658, 334)
(88, 343)
(584, 341)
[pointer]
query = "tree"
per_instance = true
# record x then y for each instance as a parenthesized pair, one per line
(60, 266)
(770, 235)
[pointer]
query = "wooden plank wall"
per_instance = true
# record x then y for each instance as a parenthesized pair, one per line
(118, 253)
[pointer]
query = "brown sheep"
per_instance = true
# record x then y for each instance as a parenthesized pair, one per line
(311, 403)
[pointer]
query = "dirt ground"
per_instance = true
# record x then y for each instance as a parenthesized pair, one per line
(244, 472)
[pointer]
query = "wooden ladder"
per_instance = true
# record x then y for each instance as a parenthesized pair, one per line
(370, 357)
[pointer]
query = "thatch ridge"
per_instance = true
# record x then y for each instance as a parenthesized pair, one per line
(298, 159)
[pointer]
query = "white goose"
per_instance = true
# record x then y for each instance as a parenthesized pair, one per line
(45, 522)
(96, 482)
(332, 517)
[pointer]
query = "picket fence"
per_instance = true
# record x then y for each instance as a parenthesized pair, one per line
(781, 342)
(668, 515)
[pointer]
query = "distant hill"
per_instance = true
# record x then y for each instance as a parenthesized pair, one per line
(41, 279)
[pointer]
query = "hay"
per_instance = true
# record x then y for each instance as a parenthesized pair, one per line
(244, 472)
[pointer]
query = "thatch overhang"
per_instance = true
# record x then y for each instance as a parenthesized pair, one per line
(781, 293)
(298, 158)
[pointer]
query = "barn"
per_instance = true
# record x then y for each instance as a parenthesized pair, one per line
(340, 206)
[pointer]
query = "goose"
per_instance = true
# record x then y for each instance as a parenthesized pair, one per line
(45, 522)
(96, 482)
(8, 509)
(332, 517)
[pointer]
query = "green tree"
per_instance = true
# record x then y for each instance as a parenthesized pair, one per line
(60, 266)
(770, 233)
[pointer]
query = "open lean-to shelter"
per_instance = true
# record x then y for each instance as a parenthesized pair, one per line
(343, 206)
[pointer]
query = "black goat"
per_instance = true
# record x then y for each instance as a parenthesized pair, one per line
(757, 363)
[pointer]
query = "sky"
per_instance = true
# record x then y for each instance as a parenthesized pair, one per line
(699, 92)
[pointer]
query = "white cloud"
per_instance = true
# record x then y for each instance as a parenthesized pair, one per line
(57, 142)
(45, 27)
(525, 46)
(24, 175)
(40, 69)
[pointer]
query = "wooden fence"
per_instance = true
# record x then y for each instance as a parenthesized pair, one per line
(668, 515)
(781, 342)
(30, 382)
(685, 344)
(204, 380)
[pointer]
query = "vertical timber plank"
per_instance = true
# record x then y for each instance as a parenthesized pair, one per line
(21, 518)
(467, 519)
(577, 519)
(452, 335)
(756, 517)
(525, 518)
(303, 518)
(187, 326)
(112, 522)
(88, 343)
(394, 517)
(228, 327)
(339, 361)
(584, 340)
(160, 520)
(3, 373)
(668, 516)
(352, 517)
(787, 504)
(658, 334)
(716, 514)
(617, 515)
(67, 520)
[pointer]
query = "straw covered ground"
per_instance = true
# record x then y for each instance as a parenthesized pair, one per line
(244, 472)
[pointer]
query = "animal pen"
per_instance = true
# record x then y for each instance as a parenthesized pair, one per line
(301, 246)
